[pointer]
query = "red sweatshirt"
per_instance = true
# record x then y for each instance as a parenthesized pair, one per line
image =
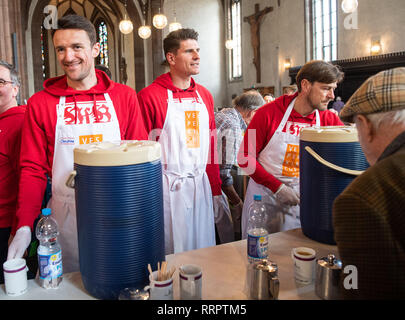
(153, 103)
(265, 122)
(38, 135)
(11, 122)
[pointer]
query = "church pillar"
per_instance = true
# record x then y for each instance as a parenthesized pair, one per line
(6, 51)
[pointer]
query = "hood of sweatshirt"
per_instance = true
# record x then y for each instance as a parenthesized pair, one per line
(12, 112)
(58, 86)
(166, 82)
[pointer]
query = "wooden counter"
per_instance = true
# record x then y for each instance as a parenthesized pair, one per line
(224, 271)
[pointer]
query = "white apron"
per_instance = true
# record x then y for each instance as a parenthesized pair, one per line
(280, 158)
(188, 208)
(67, 136)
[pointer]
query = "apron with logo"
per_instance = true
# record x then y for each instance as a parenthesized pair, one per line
(187, 197)
(280, 158)
(74, 127)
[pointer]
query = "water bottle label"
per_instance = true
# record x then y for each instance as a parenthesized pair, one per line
(257, 246)
(50, 266)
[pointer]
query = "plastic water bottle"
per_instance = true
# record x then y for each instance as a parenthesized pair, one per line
(49, 251)
(257, 234)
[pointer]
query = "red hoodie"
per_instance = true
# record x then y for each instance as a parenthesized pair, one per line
(266, 121)
(38, 135)
(11, 122)
(153, 103)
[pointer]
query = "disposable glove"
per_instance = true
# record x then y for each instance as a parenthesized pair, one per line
(221, 207)
(287, 196)
(20, 243)
(222, 217)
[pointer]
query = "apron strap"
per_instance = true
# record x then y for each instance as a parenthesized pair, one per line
(169, 95)
(318, 119)
(61, 106)
(108, 99)
(286, 116)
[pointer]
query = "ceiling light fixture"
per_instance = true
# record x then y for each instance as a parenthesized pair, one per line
(159, 20)
(349, 6)
(126, 25)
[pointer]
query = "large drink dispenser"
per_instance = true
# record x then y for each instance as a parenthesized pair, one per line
(119, 208)
(330, 158)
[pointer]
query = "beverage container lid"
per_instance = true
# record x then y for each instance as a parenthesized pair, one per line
(133, 294)
(329, 134)
(330, 262)
(46, 212)
(120, 153)
(266, 266)
(257, 197)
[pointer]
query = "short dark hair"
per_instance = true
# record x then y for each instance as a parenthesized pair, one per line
(172, 42)
(74, 21)
(319, 71)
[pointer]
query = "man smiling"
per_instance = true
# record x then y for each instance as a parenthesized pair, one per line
(181, 112)
(82, 106)
(273, 156)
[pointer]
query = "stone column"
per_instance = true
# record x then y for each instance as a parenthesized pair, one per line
(6, 51)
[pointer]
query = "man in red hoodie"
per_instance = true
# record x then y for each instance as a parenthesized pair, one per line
(270, 148)
(180, 114)
(80, 107)
(11, 121)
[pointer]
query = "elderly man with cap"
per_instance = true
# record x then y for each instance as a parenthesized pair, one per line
(368, 217)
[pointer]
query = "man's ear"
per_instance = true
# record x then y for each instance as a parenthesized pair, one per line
(170, 57)
(366, 126)
(15, 91)
(96, 50)
(305, 85)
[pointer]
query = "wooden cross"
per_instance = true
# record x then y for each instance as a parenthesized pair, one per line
(254, 20)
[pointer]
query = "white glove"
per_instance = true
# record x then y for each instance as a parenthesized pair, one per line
(287, 196)
(20, 243)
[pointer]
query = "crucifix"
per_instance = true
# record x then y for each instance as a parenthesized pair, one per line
(254, 20)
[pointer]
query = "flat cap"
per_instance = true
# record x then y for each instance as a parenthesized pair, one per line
(382, 92)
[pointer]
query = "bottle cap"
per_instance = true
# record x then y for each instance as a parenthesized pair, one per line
(46, 212)
(257, 197)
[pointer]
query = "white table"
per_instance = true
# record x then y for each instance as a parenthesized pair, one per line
(224, 271)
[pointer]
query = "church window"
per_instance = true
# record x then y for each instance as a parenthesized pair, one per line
(324, 29)
(102, 35)
(235, 55)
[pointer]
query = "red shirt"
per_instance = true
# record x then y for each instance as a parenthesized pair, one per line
(266, 121)
(11, 122)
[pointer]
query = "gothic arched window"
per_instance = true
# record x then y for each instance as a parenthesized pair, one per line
(102, 37)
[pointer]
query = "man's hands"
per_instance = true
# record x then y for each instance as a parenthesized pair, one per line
(287, 196)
